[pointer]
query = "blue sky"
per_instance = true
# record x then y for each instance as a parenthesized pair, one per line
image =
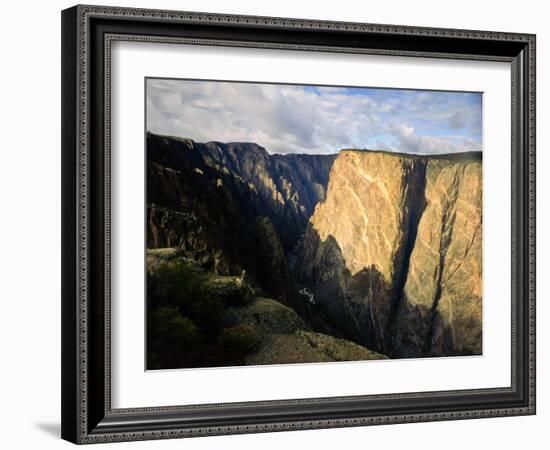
(316, 119)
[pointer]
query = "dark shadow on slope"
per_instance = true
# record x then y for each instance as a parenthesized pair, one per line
(289, 186)
(423, 332)
(358, 307)
(415, 206)
(214, 218)
(354, 306)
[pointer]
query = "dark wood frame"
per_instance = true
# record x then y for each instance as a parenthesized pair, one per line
(87, 32)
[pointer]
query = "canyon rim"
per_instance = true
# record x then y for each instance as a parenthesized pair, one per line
(299, 223)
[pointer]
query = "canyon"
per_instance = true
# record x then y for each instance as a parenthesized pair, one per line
(381, 251)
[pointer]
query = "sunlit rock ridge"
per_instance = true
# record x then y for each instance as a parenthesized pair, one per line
(393, 254)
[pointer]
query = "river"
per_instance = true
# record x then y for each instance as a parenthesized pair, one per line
(305, 291)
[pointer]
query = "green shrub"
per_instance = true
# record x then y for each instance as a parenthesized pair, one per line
(185, 322)
(169, 325)
(240, 340)
(171, 338)
(179, 284)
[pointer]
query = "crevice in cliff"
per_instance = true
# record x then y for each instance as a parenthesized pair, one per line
(416, 204)
(447, 225)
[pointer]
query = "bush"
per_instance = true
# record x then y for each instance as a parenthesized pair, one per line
(169, 325)
(185, 322)
(178, 282)
(240, 340)
(186, 287)
(171, 338)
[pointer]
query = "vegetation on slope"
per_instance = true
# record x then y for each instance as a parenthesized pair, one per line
(198, 319)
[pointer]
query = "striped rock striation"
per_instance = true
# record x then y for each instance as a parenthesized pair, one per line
(393, 255)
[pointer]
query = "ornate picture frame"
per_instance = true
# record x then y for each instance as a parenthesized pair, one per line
(88, 33)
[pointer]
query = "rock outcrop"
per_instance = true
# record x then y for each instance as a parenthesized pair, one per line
(393, 255)
(441, 307)
(199, 319)
(232, 207)
(287, 339)
(289, 185)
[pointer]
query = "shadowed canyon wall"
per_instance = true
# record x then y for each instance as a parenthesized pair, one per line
(233, 207)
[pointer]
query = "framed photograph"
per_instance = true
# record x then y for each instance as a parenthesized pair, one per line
(268, 222)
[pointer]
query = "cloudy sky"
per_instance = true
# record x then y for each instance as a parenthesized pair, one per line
(315, 119)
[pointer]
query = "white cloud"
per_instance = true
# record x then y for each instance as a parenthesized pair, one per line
(410, 142)
(295, 119)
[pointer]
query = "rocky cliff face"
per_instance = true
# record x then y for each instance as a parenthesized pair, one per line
(441, 304)
(289, 185)
(393, 255)
(198, 319)
(232, 207)
(383, 249)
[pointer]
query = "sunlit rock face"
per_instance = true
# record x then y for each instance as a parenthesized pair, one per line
(354, 248)
(441, 308)
(393, 254)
